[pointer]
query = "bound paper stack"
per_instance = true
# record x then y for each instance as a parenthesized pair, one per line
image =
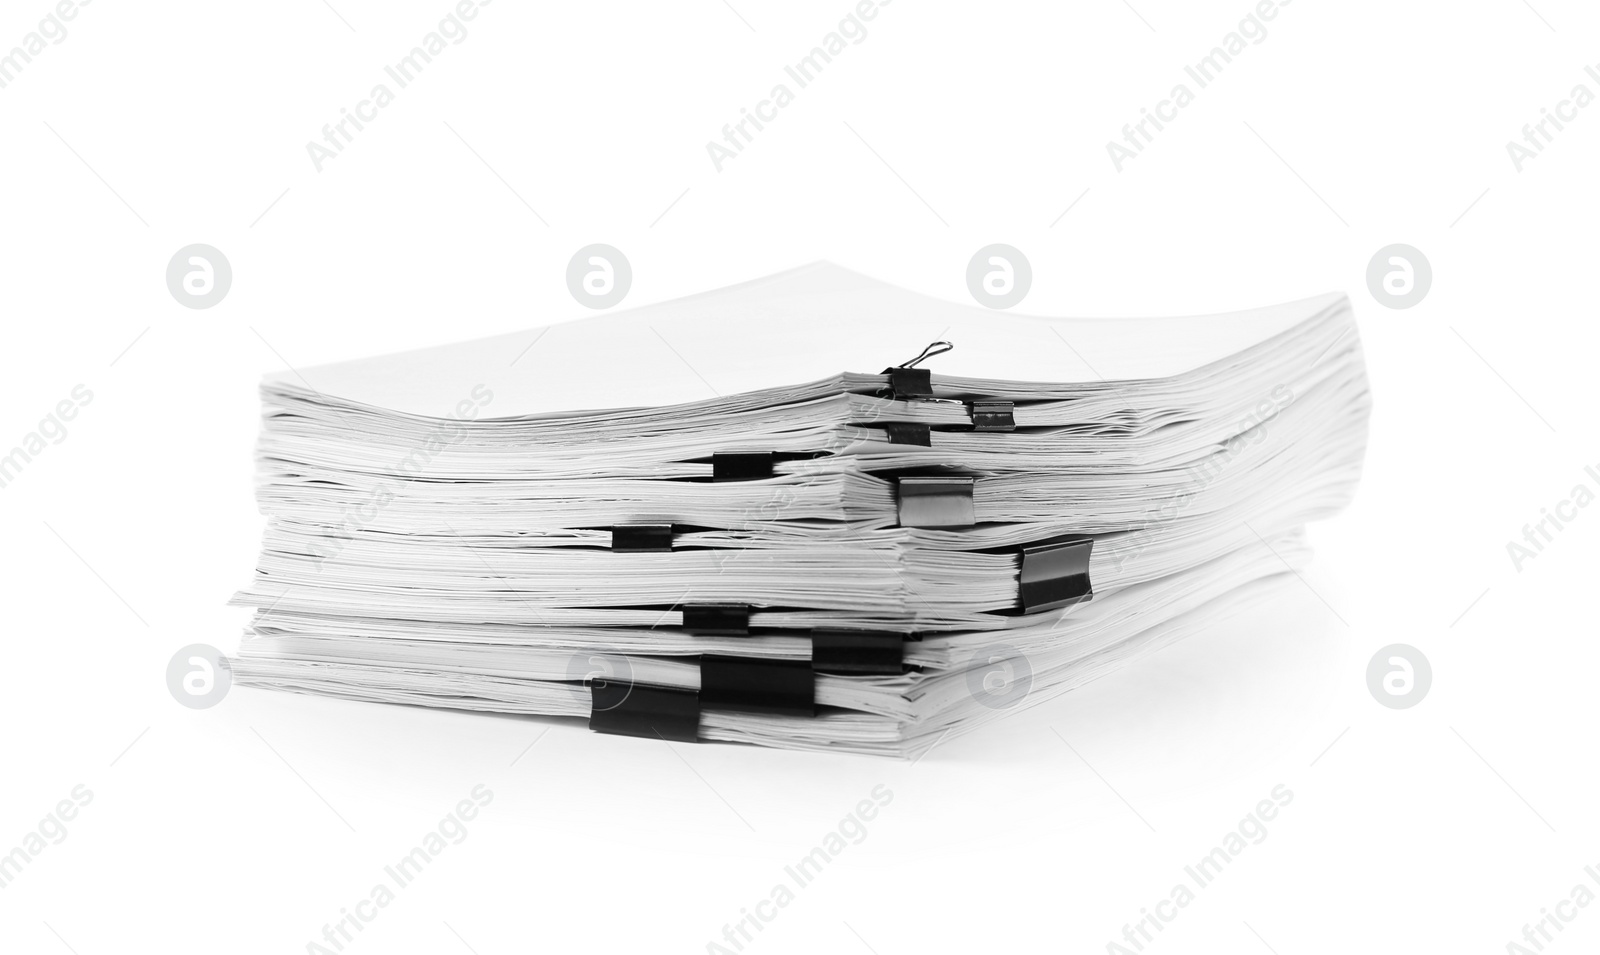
(686, 521)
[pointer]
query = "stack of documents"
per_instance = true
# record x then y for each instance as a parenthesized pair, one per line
(686, 521)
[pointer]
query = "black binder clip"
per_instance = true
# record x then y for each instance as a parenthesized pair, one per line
(641, 538)
(857, 653)
(783, 687)
(1054, 574)
(741, 465)
(908, 381)
(990, 415)
(923, 501)
(905, 432)
(717, 620)
(651, 712)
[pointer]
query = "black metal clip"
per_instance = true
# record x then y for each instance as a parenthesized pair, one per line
(906, 432)
(717, 620)
(1054, 574)
(745, 685)
(935, 501)
(908, 381)
(651, 712)
(857, 652)
(741, 465)
(993, 415)
(641, 538)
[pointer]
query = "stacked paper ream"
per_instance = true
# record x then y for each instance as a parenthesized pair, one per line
(440, 522)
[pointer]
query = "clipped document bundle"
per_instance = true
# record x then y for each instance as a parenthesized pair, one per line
(686, 521)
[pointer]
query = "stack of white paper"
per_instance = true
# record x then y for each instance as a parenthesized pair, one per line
(641, 520)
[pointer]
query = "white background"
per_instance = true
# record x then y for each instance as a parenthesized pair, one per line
(247, 827)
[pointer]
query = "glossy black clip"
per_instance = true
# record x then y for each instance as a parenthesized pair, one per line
(641, 538)
(651, 712)
(857, 652)
(924, 501)
(993, 415)
(717, 620)
(906, 432)
(783, 687)
(908, 381)
(741, 465)
(1055, 574)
